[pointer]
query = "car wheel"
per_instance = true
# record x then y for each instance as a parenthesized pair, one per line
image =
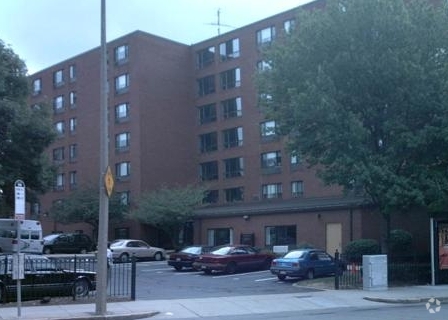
(310, 274)
(158, 256)
(281, 277)
(81, 288)
(124, 257)
(207, 271)
(266, 264)
(231, 268)
(47, 250)
(83, 251)
(178, 268)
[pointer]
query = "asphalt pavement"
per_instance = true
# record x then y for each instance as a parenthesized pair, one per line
(431, 297)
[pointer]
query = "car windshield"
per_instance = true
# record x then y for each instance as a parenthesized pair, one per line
(117, 243)
(192, 250)
(222, 251)
(294, 254)
(50, 237)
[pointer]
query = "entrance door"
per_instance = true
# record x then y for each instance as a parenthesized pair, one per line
(333, 237)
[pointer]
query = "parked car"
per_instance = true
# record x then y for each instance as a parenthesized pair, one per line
(304, 263)
(233, 258)
(124, 249)
(185, 257)
(43, 279)
(68, 243)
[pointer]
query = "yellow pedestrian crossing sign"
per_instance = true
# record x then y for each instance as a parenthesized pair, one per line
(109, 181)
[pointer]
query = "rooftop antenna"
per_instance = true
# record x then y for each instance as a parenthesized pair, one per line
(218, 22)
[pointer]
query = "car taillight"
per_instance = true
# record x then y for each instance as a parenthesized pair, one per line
(273, 263)
(295, 264)
(14, 241)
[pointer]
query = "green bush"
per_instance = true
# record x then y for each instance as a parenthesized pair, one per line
(354, 250)
(400, 242)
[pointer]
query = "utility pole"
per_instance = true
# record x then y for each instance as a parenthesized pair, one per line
(105, 176)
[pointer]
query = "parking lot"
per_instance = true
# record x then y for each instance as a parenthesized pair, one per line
(157, 280)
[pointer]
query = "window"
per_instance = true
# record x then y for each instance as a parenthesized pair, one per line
(60, 128)
(72, 125)
(267, 130)
(122, 112)
(212, 196)
(232, 108)
(121, 54)
(281, 235)
(234, 194)
(58, 78)
(289, 25)
(233, 137)
(295, 159)
(230, 79)
(125, 197)
(59, 182)
(208, 142)
(122, 170)
(209, 170)
(205, 57)
(58, 154)
(297, 189)
(265, 36)
(263, 66)
(271, 159)
(72, 72)
(219, 236)
(229, 49)
(37, 86)
(122, 141)
(207, 113)
(58, 104)
(122, 83)
(72, 98)
(271, 191)
(234, 167)
(206, 85)
(72, 152)
(73, 179)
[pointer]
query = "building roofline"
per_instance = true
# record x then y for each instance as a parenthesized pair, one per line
(284, 206)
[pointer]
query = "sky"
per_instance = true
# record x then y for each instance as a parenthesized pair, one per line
(46, 32)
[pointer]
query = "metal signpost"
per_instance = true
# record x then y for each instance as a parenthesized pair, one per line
(18, 258)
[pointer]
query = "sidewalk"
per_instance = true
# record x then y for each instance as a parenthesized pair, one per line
(226, 306)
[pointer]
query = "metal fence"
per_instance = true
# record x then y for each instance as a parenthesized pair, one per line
(406, 273)
(120, 276)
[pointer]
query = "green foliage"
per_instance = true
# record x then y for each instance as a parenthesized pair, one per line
(25, 133)
(82, 205)
(400, 242)
(360, 90)
(169, 208)
(354, 250)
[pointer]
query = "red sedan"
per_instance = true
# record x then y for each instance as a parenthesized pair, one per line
(233, 258)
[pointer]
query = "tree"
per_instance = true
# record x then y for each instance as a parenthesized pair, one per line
(360, 90)
(82, 205)
(25, 133)
(169, 208)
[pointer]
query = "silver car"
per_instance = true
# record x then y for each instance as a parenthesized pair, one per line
(124, 249)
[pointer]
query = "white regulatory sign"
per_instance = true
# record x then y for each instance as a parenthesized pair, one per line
(19, 192)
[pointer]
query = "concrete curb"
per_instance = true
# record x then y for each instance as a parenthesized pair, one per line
(404, 300)
(130, 316)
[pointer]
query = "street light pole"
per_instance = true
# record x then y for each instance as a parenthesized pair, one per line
(101, 289)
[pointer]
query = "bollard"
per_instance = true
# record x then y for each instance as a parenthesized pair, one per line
(133, 276)
(336, 272)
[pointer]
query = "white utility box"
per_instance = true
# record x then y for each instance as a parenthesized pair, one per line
(374, 269)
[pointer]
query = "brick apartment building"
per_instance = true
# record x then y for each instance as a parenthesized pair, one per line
(183, 114)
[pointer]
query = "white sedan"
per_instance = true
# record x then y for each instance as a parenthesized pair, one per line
(124, 249)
